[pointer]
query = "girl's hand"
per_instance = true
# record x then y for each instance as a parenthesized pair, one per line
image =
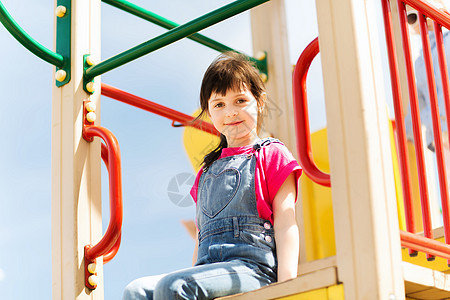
(286, 229)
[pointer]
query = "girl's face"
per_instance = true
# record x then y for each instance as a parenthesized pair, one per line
(235, 115)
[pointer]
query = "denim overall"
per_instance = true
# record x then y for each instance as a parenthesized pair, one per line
(236, 247)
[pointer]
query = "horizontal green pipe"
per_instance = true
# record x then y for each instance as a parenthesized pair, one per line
(27, 41)
(165, 23)
(172, 35)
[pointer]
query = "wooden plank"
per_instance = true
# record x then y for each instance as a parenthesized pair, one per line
(308, 282)
(269, 33)
(424, 283)
(366, 223)
(315, 265)
(76, 169)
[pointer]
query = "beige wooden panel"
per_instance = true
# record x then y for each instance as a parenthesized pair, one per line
(367, 238)
(269, 33)
(76, 203)
(422, 282)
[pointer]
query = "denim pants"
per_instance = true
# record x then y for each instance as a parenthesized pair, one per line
(236, 248)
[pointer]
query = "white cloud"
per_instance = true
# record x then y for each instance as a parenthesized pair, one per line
(2, 275)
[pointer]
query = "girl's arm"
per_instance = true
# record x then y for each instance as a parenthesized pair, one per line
(286, 230)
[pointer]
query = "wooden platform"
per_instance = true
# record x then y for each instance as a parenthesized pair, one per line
(314, 275)
(420, 282)
(424, 283)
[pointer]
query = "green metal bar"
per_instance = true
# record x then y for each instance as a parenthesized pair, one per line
(27, 41)
(172, 35)
(165, 23)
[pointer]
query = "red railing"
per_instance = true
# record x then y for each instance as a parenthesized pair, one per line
(175, 116)
(410, 240)
(110, 242)
(115, 248)
(301, 115)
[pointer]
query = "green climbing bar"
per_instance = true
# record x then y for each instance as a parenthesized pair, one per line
(172, 35)
(27, 41)
(165, 23)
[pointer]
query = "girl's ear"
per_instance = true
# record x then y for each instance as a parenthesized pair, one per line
(263, 103)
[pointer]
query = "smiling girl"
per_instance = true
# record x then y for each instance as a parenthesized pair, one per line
(245, 197)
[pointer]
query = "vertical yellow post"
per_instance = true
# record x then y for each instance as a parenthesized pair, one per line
(269, 33)
(364, 205)
(76, 203)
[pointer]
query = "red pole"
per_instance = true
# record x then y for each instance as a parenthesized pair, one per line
(117, 94)
(113, 231)
(414, 104)
(399, 117)
(445, 88)
(301, 115)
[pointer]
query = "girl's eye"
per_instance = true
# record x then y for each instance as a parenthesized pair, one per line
(218, 105)
(241, 101)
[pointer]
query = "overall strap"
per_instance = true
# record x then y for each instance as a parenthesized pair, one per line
(264, 142)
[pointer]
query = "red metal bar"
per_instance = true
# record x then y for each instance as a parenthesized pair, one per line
(115, 193)
(446, 92)
(301, 115)
(423, 244)
(430, 11)
(428, 231)
(117, 94)
(414, 105)
(113, 251)
(400, 125)
(105, 156)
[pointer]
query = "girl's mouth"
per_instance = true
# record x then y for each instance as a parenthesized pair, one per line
(234, 123)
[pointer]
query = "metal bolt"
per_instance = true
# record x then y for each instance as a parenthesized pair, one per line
(91, 117)
(392, 297)
(92, 268)
(263, 77)
(93, 280)
(260, 55)
(60, 11)
(60, 75)
(90, 61)
(90, 106)
(90, 87)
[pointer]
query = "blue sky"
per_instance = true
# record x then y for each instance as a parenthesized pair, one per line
(153, 239)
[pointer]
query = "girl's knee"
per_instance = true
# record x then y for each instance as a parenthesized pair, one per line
(134, 291)
(173, 287)
(141, 288)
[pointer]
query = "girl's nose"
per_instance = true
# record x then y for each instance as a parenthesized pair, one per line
(232, 113)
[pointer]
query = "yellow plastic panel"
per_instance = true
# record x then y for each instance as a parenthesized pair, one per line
(317, 202)
(335, 292)
(317, 205)
(198, 143)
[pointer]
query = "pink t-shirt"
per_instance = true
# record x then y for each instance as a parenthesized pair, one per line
(274, 163)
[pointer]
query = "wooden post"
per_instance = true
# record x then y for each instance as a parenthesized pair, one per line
(269, 33)
(366, 224)
(76, 203)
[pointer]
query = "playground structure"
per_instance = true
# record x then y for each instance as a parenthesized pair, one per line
(363, 259)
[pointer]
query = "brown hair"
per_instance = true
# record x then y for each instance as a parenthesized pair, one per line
(230, 71)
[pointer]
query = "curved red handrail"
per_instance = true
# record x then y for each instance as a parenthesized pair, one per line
(163, 111)
(113, 251)
(301, 115)
(112, 235)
